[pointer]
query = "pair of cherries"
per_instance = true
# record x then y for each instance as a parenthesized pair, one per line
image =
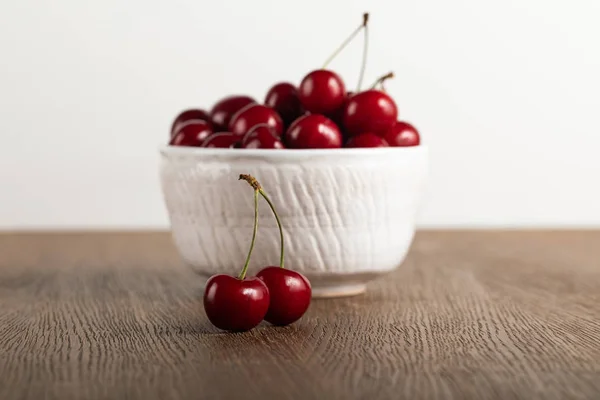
(277, 295)
(319, 113)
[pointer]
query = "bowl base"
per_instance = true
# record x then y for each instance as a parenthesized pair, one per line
(340, 285)
(332, 291)
(328, 286)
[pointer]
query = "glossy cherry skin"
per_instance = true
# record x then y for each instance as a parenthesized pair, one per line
(290, 294)
(221, 140)
(255, 114)
(402, 134)
(224, 110)
(262, 137)
(283, 98)
(366, 140)
(233, 304)
(186, 115)
(322, 92)
(369, 111)
(191, 133)
(313, 131)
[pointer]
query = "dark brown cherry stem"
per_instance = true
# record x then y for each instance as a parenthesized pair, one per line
(245, 269)
(258, 189)
(348, 40)
(382, 79)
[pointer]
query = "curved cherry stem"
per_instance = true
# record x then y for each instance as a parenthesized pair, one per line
(258, 189)
(281, 256)
(347, 41)
(365, 49)
(382, 79)
(245, 269)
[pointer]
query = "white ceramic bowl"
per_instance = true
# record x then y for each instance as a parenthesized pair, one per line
(348, 214)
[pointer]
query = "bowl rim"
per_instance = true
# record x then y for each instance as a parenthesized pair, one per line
(291, 153)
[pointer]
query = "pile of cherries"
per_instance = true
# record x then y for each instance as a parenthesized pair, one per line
(277, 295)
(319, 113)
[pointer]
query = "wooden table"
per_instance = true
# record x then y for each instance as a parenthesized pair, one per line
(470, 315)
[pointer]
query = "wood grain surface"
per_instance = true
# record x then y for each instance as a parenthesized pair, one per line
(469, 315)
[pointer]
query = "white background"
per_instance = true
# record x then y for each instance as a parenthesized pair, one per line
(505, 93)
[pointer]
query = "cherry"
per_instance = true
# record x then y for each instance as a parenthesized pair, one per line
(283, 98)
(369, 111)
(191, 133)
(187, 115)
(223, 110)
(262, 137)
(402, 134)
(221, 140)
(290, 292)
(322, 91)
(366, 140)
(252, 115)
(237, 304)
(313, 131)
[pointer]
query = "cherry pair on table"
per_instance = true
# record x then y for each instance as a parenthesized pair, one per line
(277, 295)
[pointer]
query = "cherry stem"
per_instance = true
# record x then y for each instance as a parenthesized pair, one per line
(264, 195)
(382, 79)
(348, 40)
(245, 269)
(258, 189)
(365, 48)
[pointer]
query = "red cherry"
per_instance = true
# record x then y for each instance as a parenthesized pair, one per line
(313, 131)
(370, 111)
(191, 133)
(223, 110)
(366, 140)
(322, 92)
(221, 140)
(290, 293)
(402, 134)
(283, 98)
(262, 137)
(187, 115)
(255, 114)
(235, 304)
